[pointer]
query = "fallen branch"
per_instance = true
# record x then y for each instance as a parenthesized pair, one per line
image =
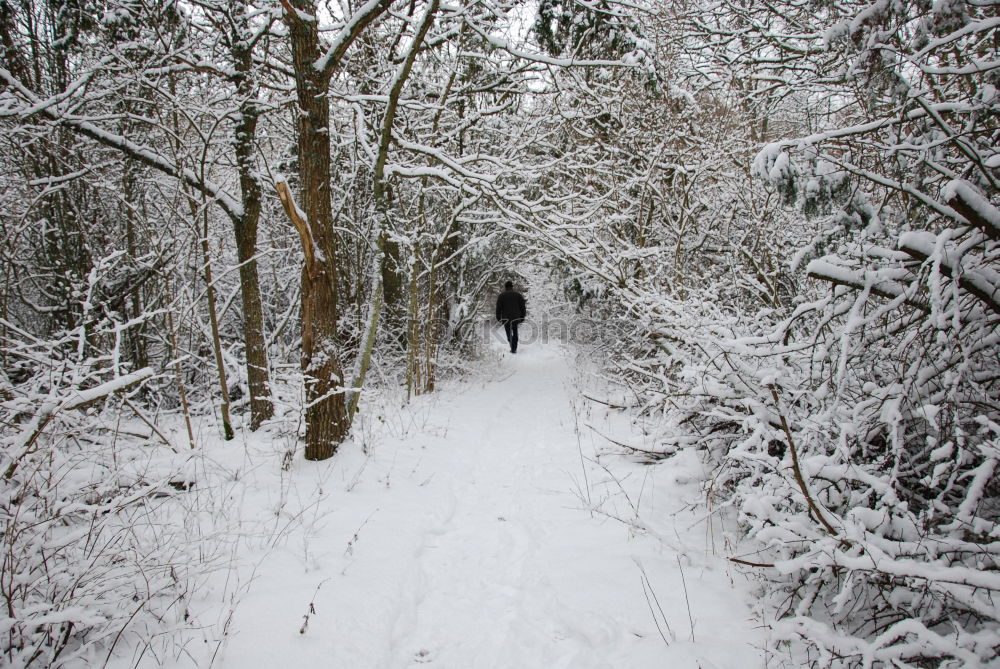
(76, 399)
(607, 404)
(751, 564)
(145, 419)
(636, 449)
(798, 471)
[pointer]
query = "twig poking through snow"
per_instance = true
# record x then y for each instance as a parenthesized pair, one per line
(350, 544)
(647, 590)
(686, 599)
(583, 466)
(312, 605)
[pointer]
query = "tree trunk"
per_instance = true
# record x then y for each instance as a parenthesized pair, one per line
(213, 319)
(140, 350)
(178, 371)
(431, 331)
(327, 422)
(413, 336)
(371, 330)
(245, 227)
(392, 289)
(258, 376)
(326, 411)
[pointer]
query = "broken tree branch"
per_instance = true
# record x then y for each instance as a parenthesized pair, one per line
(296, 216)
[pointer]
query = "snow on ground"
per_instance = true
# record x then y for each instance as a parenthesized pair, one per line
(474, 528)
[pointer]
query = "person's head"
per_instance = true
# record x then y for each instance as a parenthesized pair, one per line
(509, 285)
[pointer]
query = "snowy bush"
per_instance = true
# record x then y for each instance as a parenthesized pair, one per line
(92, 552)
(88, 559)
(858, 438)
(856, 434)
(853, 422)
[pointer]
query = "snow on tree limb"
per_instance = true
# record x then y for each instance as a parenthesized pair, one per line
(873, 282)
(982, 283)
(143, 154)
(365, 15)
(73, 399)
(967, 201)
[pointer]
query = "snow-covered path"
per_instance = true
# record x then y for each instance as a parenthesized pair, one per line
(464, 538)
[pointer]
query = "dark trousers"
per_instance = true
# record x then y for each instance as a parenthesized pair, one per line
(510, 327)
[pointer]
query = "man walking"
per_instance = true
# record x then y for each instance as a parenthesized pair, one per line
(511, 311)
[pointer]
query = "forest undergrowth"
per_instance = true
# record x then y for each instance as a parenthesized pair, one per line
(854, 445)
(778, 222)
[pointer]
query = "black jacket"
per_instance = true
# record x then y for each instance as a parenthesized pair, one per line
(510, 306)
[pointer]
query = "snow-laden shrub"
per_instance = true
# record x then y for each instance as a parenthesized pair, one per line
(855, 430)
(92, 553)
(853, 419)
(88, 557)
(857, 433)
(859, 439)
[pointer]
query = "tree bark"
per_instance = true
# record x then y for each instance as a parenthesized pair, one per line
(371, 330)
(326, 410)
(245, 228)
(213, 319)
(327, 422)
(178, 370)
(137, 338)
(392, 290)
(413, 336)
